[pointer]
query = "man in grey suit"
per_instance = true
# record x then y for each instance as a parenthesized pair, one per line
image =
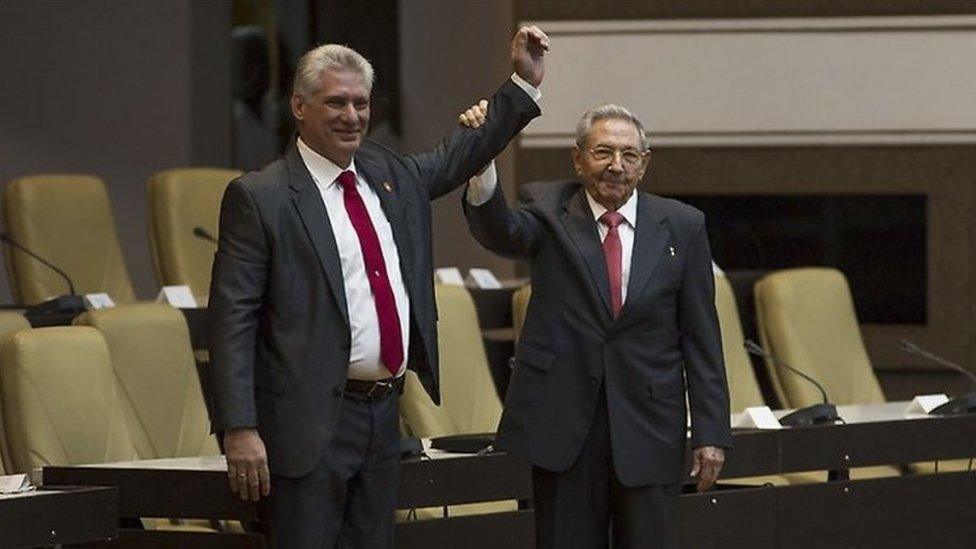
(620, 322)
(322, 296)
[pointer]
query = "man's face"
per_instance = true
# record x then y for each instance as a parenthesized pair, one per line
(611, 162)
(334, 119)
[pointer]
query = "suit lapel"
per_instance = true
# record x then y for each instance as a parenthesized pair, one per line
(315, 218)
(579, 223)
(650, 238)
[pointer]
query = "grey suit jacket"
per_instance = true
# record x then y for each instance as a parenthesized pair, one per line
(279, 324)
(665, 338)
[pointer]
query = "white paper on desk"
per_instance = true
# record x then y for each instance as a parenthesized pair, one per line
(757, 417)
(177, 296)
(449, 275)
(15, 484)
(99, 301)
(923, 404)
(482, 278)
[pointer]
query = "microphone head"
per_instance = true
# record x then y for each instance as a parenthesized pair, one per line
(754, 348)
(908, 346)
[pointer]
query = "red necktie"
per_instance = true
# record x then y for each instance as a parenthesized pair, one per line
(391, 338)
(613, 254)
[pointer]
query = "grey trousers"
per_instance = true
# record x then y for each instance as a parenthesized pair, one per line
(348, 500)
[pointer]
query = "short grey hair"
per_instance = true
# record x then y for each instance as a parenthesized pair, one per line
(326, 57)
(609, 111)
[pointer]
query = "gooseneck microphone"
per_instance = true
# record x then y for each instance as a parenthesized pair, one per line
(71, 304)
(811, 415)
(204, 234)
(961, 405)
(6, 238)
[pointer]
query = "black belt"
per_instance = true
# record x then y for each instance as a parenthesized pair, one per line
(375, 389)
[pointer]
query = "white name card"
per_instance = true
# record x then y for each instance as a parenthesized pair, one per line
(449, 275)
(15, 484)
(923, 404)
(177, 296)
(757, 417)
(482, 278)
(99, 301)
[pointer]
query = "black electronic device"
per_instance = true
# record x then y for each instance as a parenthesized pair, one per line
(70, 304)
(817, 414)
(480, 443)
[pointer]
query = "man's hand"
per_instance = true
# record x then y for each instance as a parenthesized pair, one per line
(707, 463)
(247, 464)
(529, 48)
(475, 116)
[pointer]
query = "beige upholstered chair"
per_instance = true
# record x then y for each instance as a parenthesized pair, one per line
(469, 401)
(67, 220)
(743, 387)
(520, 305)
(179, 201)
(806, 318)
(61, 403)
(10, 322)
(149, 345)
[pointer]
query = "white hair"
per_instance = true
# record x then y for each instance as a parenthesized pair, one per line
(608, 111)
(326, 57)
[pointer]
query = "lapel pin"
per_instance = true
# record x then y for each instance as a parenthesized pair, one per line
(388, 186)
(671, 249)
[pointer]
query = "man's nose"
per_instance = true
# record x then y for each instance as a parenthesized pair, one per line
(616, 163)
(349, 112)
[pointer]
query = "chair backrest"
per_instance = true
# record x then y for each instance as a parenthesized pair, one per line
(149, 344)
(520, 304)
(469, 401)
(744, 389)
(179, 201)
(806, 318)
(10, 322)
(67, 220)
(61, 403)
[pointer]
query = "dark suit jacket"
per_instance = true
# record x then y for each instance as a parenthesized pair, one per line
(666, 336)
(279, 325)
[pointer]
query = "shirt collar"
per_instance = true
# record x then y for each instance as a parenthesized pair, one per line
(628, 210)
(323, 170)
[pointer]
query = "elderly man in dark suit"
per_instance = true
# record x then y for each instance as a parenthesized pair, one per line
(322, 297)
(621, 321)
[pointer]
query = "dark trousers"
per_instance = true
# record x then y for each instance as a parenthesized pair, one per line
(586, 506)
(348, 500)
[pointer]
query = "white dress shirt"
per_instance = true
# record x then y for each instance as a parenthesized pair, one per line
(482, 187)
(364, 353)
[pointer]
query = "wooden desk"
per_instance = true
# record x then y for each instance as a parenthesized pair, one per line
(59, 516)
(906, 511)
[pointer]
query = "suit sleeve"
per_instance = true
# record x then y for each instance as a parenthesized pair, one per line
(465, 151)
(701, 342)
(512, 233)
(237, 289)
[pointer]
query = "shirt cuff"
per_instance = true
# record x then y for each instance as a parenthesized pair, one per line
(529, 89)
(482, 187)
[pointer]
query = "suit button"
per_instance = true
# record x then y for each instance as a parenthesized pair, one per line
(337, 392)
(594, 381)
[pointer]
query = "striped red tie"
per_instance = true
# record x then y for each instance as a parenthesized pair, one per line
(391, 336)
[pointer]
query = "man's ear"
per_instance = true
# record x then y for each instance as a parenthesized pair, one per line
(575, 153)
(297, 102)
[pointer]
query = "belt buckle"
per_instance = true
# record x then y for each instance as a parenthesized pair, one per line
(386, 385)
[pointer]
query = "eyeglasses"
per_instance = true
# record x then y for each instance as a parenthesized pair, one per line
(629, 157)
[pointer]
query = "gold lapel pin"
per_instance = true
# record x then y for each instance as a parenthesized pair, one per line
(388, 186)
(671, 249)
